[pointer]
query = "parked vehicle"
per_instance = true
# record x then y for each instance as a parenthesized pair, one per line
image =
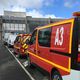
(11, 39)
(17, 44)
(56, 49)
(5, 38)
(24, 46)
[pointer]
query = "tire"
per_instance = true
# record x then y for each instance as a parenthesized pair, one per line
(56, 76)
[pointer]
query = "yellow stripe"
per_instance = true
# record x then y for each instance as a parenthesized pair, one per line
(71, 32)
(16, 47)
(69, 64)
(37, 42)
(49, 62)
(24, 45)
(56, 23)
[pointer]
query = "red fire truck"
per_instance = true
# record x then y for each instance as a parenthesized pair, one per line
(17, 44)
(18, 41)
(56, 49)
(24, 46)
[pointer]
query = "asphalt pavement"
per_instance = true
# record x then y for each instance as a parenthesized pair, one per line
(13, 68)
(9, 68)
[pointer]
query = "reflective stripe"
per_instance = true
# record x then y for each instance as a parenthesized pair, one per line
(71, 32)
(57, 23)
(23, 45)
(16, 47)
(26, 46)
(49, 62)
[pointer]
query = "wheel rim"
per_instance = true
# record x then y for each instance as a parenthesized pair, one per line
(56, 77)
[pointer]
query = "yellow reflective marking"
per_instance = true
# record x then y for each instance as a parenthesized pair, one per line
(69, 64)
(49, 62)
(71, 32)
(24, 45)
(16, 47)
(56, 23)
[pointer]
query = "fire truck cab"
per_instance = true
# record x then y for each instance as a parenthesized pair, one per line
(56, 49)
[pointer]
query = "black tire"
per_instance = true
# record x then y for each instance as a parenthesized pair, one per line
(56, 76)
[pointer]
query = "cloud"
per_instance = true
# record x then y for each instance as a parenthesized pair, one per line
(37, 14)
(14, 5)
(30, 3)
(68, 4)
(49, 2)
(22, 3)
(18, 9)
(32, 6)
(71, 3)
(50, 16)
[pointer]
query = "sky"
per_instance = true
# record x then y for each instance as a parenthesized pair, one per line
(42, 8)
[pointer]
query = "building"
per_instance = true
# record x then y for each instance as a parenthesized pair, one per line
(14, 21)
(32, 23)
(14, 14)
(18, 22)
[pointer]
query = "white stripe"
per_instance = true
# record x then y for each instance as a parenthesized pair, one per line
(21, 65)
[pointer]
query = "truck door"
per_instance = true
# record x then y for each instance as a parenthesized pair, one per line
(32, 45)
(44, 36)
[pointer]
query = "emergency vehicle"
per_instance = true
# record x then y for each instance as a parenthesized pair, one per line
(20, 40)
(17, 44)
(56, 49)
(11, 40)
(24, 46)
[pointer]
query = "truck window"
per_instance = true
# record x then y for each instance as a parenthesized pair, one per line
(44, 37)
(33, 37)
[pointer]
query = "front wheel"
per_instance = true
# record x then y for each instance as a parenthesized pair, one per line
(56, 76)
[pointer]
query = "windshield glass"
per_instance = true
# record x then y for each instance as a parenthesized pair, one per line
(17, 38)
